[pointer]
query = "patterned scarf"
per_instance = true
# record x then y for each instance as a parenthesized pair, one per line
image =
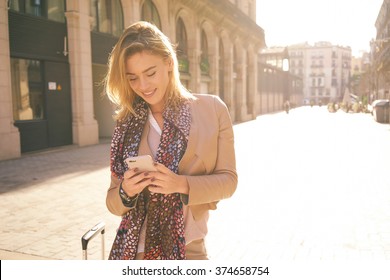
(165, 222)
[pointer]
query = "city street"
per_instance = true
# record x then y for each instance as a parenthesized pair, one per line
(313, 185)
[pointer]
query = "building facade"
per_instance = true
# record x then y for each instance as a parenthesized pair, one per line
(54, 56)
(361, 78)
(325, 70)
(276, 82)
(380, 50)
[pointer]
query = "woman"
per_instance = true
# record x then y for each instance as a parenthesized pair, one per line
(165, 212)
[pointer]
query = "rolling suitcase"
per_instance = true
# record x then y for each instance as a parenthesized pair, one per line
(89, 235)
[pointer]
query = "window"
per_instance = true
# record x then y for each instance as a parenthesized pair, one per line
(204, 58)
(182, 47)
(108, 16)
(56, 10)
(149, 13)
(181, 36)
(221, 68)
(248, 84)
(50, 9)
(27, 89)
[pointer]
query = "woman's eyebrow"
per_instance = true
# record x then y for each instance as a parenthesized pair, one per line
(146, 70)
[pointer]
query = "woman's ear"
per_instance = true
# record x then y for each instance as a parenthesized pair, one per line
(170, 64)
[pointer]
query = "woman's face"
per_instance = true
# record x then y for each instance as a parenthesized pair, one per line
(148, 76)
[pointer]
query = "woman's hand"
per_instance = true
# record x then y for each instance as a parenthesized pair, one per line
(166, 182)
(135, 181)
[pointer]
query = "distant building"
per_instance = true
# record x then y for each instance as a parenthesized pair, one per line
(325, 70)
(361, 77)
(276, 81)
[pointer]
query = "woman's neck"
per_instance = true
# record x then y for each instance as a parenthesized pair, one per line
(156, 109)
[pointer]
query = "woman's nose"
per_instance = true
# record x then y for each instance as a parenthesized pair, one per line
(143, 84)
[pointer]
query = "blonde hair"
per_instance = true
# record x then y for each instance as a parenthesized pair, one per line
(138, 37)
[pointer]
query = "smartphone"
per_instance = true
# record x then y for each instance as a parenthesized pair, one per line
(143, 163)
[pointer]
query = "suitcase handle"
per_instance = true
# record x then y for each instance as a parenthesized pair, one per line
(89, 235)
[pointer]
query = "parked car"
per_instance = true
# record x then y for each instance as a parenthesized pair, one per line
(381, 110)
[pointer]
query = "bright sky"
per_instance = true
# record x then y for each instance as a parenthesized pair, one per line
(340, 22)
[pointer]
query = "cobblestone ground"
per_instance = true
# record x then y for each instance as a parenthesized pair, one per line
(313, 185)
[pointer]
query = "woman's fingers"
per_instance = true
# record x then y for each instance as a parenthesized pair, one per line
(134, 182)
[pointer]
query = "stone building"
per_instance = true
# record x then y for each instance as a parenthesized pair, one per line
(325, 70)
(380, 49)
(54, 55)
(277, 84)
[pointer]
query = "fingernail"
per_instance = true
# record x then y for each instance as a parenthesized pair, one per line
(136, 169)
(146, 173)
(153, 179)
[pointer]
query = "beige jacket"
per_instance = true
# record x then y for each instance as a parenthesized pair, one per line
(209, 160)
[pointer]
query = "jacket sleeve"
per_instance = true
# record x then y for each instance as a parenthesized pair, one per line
(113, 200)
(221, 183)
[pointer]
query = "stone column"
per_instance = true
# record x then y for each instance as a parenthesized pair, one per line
(240, 93)
(252, 75)
(213, 61)
(194, 52)
(131, 12)
(9, 134)
(229, 90)
(85, 127)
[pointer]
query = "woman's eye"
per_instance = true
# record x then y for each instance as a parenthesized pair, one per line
(151, 74)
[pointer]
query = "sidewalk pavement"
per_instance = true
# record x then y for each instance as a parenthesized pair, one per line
(303, 194)
(50, 198)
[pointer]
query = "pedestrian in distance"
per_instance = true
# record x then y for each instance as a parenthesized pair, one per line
(190, 138)
(287, 106)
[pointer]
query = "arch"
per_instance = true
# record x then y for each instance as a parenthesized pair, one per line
(108, 16)
(181, 38)
(239, 79)
(204, 55)
(207, 51)
(149, 12)
(182, 45)
(224, 68)
(221, 69)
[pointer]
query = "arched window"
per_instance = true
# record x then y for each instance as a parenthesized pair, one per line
(248, 84)
(182, 46)
(221, 67)
(52, 10)
(150, 14)
(108, 16)
(204, 58)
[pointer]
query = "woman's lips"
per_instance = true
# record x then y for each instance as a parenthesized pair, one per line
(150, 93)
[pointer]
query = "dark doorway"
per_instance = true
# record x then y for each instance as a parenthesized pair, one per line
(59, 107)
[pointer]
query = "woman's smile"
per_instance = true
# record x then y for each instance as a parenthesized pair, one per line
(149, 93)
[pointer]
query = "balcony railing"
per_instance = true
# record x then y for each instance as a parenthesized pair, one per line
(205, 66)
(184, 65)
